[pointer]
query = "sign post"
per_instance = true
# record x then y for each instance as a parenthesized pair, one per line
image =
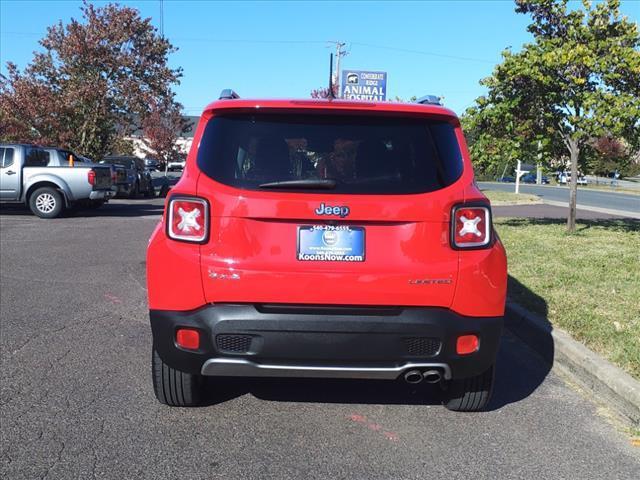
(361, 85)
(519, 173)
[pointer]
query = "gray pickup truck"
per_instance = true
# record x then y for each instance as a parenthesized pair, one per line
(48, 181)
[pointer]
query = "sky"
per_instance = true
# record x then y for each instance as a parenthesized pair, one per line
(281, 50)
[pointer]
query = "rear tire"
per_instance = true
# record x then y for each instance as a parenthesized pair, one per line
(46, 202)
(470, 394)
(173, 387)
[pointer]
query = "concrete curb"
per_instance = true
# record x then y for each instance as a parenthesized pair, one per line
(606, 381)
(515, 204)
(620, 213)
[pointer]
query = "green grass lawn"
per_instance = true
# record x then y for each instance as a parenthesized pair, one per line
(587, 284)
(499, 198)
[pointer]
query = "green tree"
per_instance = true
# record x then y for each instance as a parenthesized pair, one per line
(94, 80)
(577, 81)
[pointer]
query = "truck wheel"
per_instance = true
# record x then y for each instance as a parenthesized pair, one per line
(469, 394)
(46, 202)
(173, 387)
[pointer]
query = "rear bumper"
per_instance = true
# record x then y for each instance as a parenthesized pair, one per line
(101, 194)
(324, 341)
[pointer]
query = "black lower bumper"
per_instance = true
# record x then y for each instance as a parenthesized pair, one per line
(297, 340)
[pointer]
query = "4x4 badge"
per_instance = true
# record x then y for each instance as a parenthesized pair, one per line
(341, 210)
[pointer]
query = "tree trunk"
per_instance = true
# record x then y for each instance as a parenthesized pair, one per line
(574, 153)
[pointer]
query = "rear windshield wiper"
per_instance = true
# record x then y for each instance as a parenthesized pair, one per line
(311, 183)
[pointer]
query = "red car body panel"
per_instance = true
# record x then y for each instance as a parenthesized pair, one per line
(250, 254)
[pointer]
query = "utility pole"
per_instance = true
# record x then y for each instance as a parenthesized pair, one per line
(166, 160)
(339, 53)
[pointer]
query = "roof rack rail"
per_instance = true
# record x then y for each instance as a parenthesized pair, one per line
(430, 99)
(228, 94)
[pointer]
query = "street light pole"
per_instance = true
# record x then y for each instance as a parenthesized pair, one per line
(339, 53)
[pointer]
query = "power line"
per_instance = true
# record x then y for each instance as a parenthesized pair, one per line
(300, 42)
(27, 34)
(420, 52)
(243, 40)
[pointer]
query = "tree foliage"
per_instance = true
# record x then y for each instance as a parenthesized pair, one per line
(95, 78)
(323, 93)
(162, 128)
(577, 81)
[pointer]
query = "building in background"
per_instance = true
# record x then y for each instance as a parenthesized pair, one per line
(183, 142)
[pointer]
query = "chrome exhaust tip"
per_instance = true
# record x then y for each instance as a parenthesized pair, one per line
(413, 376)
(432, 376)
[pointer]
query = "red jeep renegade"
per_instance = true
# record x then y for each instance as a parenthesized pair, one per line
(333, 239)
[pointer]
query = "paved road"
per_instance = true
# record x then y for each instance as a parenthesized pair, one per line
(590, 198)
(76, 399)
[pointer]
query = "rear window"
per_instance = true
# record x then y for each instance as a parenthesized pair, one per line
(36, 157)
(381, 155)
(6, 157)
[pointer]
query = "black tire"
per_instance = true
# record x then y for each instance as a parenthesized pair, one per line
(173, 387)
(46, 202)
(470, 394)
(150, 193)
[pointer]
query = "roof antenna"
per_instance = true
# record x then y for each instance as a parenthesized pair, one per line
(331, 95)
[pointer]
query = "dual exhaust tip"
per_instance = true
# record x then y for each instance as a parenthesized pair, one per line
(417, 376)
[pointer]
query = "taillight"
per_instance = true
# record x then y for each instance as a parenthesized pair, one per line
(91, 177)
(188, 219)
(471, 226)
(114, 176)
(467, 344)
(188, 338)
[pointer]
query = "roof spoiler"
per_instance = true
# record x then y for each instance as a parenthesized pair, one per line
(430, 100)
(228, 94)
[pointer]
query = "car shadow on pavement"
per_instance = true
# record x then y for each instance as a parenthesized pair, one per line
(141, 207)
(319, 390)
(520, 371)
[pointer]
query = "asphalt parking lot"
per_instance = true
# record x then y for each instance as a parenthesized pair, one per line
(77, 401)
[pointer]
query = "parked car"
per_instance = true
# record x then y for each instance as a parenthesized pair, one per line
(507, 179)
(176, 165)
(533, 178)
(60, 157)
(151, 164)
(42, 179)
(331, 239)
(564, 178)
(138, 177)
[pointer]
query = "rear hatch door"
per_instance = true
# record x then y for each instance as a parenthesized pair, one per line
(329, 209)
